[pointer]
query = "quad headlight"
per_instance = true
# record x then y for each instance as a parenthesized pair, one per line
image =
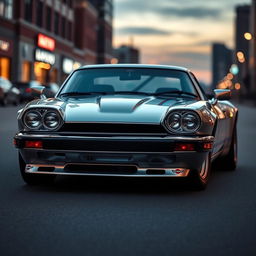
(51, 120)
(42, 119)
(32, 119)
(182, 121)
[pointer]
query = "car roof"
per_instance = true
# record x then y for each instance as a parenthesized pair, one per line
(134, 66)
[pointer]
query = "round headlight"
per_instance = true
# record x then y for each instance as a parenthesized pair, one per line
(32, 119)
(174, 121)
(190, 122)
(51, 120)
(182, 121)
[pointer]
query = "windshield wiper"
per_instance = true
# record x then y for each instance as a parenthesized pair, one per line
(176, 92)
(81, 93)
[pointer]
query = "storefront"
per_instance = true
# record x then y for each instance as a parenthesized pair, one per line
(42, 61)
(45, 60)
(6, 51)
(39, 61)
(68, 65)
(43, 64)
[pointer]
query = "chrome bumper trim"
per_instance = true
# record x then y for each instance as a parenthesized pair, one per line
(141, 172)
(114, 152)
(171, 138)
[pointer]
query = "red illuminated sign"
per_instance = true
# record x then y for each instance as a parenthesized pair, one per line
(46, 42)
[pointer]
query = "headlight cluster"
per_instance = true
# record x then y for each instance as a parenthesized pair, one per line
(182, 121)
(47, 119)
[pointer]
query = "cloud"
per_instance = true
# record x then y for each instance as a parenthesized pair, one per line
(142, 31)
(181, 31)
(191, 12)
(195, 56)
(189, 59)
(203, 43)
(151, 31)
(167, 8)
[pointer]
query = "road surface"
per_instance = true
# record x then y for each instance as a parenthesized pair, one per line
(78, 216)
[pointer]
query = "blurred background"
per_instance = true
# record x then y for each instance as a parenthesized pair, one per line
(42, 41)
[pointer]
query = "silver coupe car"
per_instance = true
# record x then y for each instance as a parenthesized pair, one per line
(130, 121)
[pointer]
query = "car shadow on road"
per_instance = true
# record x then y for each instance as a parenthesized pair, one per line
(115, 185)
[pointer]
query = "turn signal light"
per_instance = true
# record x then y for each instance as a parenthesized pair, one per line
(184, 147)
(33, 144)
(207, 146)
(28, 90)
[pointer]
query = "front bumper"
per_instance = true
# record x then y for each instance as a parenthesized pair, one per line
(112, 156)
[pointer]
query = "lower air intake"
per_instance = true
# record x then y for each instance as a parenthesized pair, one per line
(101, 169)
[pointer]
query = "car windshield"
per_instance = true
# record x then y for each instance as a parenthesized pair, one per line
(146, 81)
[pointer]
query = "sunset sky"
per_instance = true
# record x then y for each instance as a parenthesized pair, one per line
(176, 32)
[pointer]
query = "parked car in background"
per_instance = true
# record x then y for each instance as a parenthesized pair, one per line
(26, 91)
(8, 93)
(129, 121)
(51, 89)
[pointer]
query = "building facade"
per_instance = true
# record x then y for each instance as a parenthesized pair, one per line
(7, 38)
(45, 40)
(242, 46)
(221, 63)
(105, 31)
(127, 54)
(252, 61)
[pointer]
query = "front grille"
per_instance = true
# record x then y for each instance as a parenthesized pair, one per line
(110, 145)
(112, 128)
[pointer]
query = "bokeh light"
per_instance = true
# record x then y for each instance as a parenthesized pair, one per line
(237, 86)
(248, 36)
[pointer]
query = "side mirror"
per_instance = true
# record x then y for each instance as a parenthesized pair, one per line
(38, 90)
(222, 94)
(210, 96)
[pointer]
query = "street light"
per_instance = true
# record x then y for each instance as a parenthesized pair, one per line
(248, 36)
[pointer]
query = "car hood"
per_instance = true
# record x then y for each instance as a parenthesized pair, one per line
(116, 108)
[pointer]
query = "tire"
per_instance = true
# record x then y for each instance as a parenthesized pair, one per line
(4, 102)
(15, 103)
(229, 161)
(199, 178)
(34, 179)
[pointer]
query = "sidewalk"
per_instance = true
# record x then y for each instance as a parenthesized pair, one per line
(248, 103)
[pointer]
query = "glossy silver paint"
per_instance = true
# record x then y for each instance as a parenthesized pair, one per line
(130, 109)
(218, 120)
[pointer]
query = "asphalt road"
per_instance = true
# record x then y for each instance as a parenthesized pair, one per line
(78, 216)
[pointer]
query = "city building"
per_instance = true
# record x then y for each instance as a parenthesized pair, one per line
(242, 26)
(7, 38)
(252, 40)
(126, 54)
(45, 40)
(86, 30)
(105, 31)
(221, 63)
